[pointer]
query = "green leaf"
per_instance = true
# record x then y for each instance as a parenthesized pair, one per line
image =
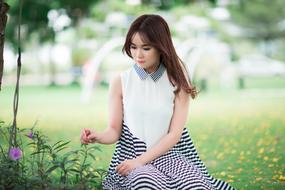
(51, 169)
(71, 161)
(60, 149)
(75, 170)
(38, 152)
(59, 145)
(92, 156)
(44, 146)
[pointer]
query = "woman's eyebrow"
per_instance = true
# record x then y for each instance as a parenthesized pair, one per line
(142, 44)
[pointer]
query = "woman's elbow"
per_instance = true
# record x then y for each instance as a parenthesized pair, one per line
(114, 134)
(175, 137)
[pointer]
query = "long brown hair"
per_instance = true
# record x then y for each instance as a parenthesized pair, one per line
(154, 30)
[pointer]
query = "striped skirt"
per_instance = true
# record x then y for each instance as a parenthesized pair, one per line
(180, 168)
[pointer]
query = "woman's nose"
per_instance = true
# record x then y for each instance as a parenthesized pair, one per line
(139, 53)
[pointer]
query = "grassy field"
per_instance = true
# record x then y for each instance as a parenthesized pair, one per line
(239, 134)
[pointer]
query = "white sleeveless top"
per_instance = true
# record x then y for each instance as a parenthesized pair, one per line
(148, 102)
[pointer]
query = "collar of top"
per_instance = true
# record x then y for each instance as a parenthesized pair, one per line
(154, 75)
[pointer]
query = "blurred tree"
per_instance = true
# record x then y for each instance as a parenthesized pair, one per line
(261, 20)
(35, 16)
(4, 7)
(168, 4)
(35, 20)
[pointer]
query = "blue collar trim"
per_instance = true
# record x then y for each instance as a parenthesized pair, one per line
(155, 75)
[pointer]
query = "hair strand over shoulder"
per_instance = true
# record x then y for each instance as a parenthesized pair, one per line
(155, 31)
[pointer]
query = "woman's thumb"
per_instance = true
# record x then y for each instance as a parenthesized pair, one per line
(92, 137)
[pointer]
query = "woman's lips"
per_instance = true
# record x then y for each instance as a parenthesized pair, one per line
(140, 62)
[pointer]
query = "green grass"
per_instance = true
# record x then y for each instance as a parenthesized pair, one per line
(239, 134)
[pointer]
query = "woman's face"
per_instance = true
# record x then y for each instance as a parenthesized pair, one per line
(146, 56)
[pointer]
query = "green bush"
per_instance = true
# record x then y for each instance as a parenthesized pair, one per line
(35, 164)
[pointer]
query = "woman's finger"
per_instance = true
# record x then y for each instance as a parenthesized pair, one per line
(91, 137)
(118, 168)
(83, 141)
(125, 172)
(86, 131)
(83, 138)
(122, 169)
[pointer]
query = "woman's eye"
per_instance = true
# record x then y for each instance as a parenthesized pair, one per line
(146, 48)
(133, 47)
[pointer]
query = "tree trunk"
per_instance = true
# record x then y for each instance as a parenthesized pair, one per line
(4, 7)
(52, 66)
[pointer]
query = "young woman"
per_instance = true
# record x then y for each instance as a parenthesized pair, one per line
(148, 110)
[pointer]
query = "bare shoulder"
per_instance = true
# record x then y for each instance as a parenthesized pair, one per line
(115, 80)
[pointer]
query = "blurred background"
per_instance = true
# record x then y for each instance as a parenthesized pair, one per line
(234, 50)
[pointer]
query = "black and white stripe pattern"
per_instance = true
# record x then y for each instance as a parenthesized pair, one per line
(180, 168)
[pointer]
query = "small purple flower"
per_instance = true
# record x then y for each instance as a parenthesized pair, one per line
(30, 135)
(15, 153)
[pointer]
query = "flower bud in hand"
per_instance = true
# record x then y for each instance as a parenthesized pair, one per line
(84, 136)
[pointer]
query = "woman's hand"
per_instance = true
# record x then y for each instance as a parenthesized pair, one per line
(127, 166)
(92, 137)
(88, 136)
(84, 136)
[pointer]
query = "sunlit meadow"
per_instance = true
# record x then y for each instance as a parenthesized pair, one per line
(239, 134)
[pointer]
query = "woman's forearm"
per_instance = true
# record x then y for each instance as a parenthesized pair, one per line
(109, 136)
(164, 145)
(176, 127)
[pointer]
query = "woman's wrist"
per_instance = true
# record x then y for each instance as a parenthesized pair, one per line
(141, 159)
(98, 138)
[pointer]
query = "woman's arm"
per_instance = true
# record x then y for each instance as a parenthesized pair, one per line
(177, 124)
(112, 133)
